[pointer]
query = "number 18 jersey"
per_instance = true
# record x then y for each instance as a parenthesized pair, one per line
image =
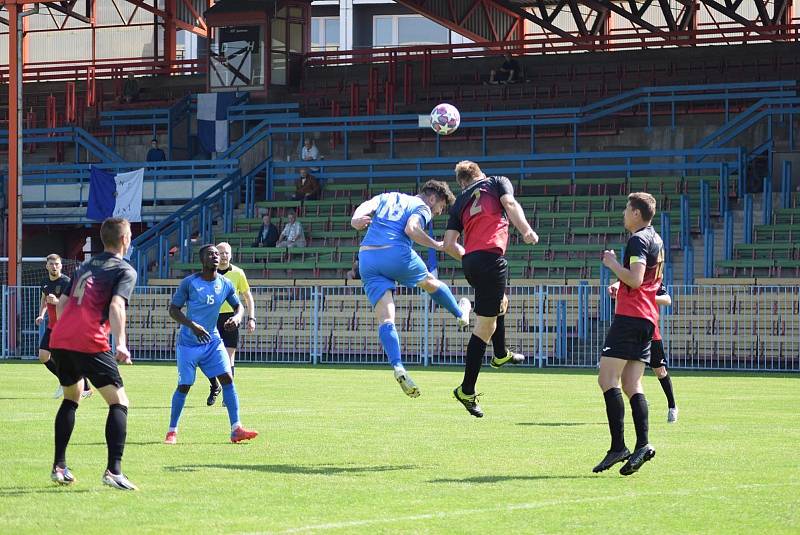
(388, 225)
(203, 300)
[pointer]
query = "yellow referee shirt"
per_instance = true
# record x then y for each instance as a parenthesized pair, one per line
(239, 280)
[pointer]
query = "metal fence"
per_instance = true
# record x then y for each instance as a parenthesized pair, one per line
(707, 327)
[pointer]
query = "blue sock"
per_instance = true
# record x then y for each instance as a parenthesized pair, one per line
(231, 402)
(178, 401)
(444, 297)
(391, 343)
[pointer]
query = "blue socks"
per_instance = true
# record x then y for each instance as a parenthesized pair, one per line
(231, 403)
(178, 401)
(391, 343)
(444, 297)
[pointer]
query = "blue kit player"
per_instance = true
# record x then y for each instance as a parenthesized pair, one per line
(386, 258)
(199, 341)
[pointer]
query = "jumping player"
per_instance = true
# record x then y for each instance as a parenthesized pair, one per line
(386, 258)
(482, 212)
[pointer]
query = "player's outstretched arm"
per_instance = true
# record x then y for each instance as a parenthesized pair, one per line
(416, 232)
(517, 217)
(362, 217)
(117, 318)
(451, 245)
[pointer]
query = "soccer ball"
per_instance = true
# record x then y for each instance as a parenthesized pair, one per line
(445, 119)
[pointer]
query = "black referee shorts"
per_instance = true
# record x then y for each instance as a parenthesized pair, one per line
(629, 338)
(100, 368)
(229, 338)
(44, 342)
(487, 273)
(657, 356)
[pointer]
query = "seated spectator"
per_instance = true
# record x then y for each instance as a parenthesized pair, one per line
(308, 187)
(310, 152)
(155, 154)
(130, 91)
(353, 273)
(292, 235)
(508, 73)
(267, 234)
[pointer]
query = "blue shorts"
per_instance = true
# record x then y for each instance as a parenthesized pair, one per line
(211, 357)
(381, 269)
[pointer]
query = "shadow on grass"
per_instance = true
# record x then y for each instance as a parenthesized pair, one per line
(560, 424)
(323, 469)
(10, 492)
(500, 479)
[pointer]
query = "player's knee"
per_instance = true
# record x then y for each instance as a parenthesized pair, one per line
(630, 387)
(184, 389)
(225, 378)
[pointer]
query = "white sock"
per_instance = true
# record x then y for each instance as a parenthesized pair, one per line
(173, 429)
(235, 425)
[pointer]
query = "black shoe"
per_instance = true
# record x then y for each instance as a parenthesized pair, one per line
(470, 402)
(611, 458)
(212, 396)
(639, 457)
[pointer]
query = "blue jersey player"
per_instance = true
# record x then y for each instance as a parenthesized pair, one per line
(385, 257)
(199, 342)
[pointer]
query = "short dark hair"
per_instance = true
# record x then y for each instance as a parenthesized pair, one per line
(154, 140)
(112, 230)
(440, 189)
(54, 257)
(466, 171)
(204, 247)
(645, 203)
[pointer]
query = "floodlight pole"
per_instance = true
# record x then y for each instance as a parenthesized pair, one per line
(14, 228)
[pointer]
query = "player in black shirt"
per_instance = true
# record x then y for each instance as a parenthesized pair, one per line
(52, 287)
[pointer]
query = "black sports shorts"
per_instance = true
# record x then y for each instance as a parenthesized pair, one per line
(629, 338)
(44, 343)
(486, 272)
(229, 338)
(657, 356)
(100, 368)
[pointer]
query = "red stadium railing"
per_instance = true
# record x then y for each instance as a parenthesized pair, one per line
(550, 44)
(89, 70)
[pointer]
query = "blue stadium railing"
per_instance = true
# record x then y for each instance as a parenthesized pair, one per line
(490, 123)
(67, 134)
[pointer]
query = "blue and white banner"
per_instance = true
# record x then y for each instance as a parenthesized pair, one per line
(115, 195)
(212, 120)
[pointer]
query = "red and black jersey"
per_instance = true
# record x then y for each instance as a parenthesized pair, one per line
(83, 326)
(478, 214)
(645, 247)
(55, 287)
(662, 290)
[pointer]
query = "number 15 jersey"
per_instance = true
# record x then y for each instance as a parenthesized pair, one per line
(203, 300)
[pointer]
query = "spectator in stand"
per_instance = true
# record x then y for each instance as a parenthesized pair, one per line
(130, 91)
(267, 234)
(309, 152)
(308, 187)
(353, 273)
(508, 73)
(155, 154)
(292, 235)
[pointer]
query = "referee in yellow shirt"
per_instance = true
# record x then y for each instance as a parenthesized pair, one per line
(231, 338)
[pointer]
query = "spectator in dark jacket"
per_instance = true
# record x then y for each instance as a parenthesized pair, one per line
(155, 154)
(508, 73)
(308, 188)
(267, 234)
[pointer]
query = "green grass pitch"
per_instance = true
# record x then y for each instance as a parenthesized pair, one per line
(342, 450)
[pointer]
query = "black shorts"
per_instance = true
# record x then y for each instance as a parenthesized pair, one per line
(229, 338)
(657, 356)
(629, 338)
(487, 273)
(100, 368)
(44, 343)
